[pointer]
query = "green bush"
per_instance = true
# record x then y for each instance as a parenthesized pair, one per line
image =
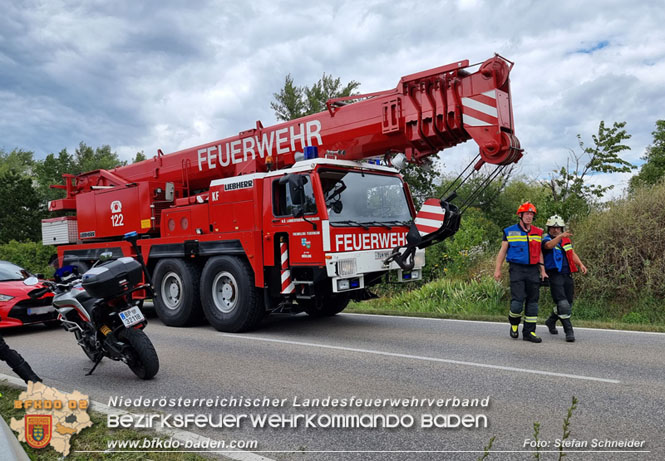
(33, 256)
(459, 253)
(621, 248)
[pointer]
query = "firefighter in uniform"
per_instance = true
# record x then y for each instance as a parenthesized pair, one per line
(521, 247)
(561, 262)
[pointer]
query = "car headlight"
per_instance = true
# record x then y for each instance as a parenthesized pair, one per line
(4, 298)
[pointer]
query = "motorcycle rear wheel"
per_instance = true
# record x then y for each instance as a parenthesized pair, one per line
(142, 357)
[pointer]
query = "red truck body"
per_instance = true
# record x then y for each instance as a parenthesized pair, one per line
(289, 217)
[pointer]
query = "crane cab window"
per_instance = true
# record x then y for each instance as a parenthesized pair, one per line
(282, 200)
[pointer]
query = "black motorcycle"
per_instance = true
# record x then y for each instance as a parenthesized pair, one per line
(98, 308)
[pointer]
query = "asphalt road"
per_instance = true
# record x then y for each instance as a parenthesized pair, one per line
(618, 378)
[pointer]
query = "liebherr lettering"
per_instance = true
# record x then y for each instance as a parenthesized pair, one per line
(279, 142)
(370, 241)
(239, 185)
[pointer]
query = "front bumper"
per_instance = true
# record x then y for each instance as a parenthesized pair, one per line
(29, 311)
(352, 267)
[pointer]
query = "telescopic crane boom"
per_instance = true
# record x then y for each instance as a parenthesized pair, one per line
(427, 112)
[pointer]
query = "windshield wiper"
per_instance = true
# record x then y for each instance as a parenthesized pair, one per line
(351, 223)
(379, 224)
(399, 223)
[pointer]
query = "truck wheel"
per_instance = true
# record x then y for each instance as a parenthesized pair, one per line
(231, 302)
(327, 306)
(177, 300)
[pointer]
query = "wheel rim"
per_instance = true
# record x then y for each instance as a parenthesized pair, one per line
(225, 292)
(171, 290)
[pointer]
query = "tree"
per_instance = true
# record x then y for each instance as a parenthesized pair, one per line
(423, 182)
(654, 168)
(478, 191)
(571, 194)
(50, 170)
(140, 156)
(294, 102)
(88, 159)
(18, 160)
(20, 214)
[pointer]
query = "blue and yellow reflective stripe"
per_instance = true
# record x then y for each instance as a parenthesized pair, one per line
(530, 319)
(516, 238)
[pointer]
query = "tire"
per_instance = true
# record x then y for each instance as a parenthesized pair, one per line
(231, 302)
(177, 301)
(326, 306)
(142, 360)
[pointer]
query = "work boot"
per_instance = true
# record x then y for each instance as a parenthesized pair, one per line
(514, 325)
(531, 336)
(26, 374)
(551, 323)
(513, 331)
(529, 333)
(568, 329)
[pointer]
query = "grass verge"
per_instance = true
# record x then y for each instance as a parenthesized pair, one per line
(92, 438)
(486, 300)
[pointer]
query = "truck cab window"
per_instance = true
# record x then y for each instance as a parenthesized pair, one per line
(282, 202)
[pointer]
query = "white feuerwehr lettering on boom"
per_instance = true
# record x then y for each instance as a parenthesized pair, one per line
(277, 142)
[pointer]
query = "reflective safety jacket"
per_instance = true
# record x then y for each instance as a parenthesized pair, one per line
(554, 257)
(523, 247)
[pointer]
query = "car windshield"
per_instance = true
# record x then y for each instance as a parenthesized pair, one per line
(9, 271)
(364, 199)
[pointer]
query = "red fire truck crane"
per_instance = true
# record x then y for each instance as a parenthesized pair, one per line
(303, 215)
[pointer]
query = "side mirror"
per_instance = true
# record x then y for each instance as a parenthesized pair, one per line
(30, 281)
(296, 184)
(107, 255)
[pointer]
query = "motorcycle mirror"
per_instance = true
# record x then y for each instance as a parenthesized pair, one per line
(30, 281)
(105, 256)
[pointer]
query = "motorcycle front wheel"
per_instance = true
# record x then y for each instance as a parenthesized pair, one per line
(142, 357)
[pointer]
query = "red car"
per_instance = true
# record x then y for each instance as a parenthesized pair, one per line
(16, 307)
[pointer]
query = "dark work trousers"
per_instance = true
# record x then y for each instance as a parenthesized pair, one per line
(524, 293)
(563, 290)
(16, 362)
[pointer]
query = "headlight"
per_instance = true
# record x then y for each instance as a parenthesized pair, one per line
(346, 267)
(4, 298)
(343, 284)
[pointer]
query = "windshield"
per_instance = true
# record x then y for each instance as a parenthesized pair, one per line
(9, 271)
(355, 198)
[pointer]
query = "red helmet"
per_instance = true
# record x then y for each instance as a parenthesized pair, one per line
(526, 206)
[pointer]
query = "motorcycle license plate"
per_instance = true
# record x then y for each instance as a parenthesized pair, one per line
(131, 316)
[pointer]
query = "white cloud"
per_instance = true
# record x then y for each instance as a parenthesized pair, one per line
(149, 75)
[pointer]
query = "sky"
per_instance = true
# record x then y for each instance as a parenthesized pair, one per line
(140, 76)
